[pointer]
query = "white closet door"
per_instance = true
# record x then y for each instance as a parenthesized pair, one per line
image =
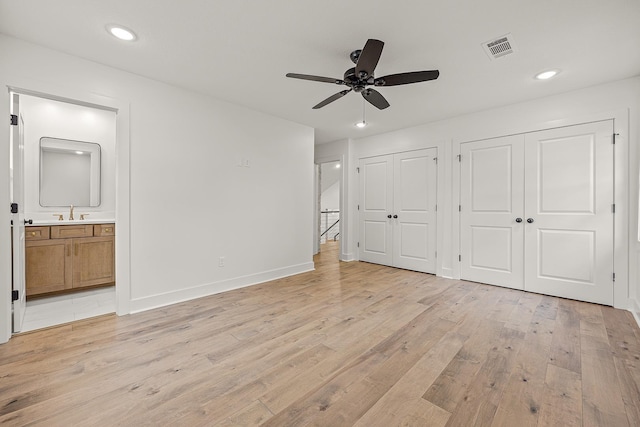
(569, 196)
(376, 205)
(491, 226)
(414, 229)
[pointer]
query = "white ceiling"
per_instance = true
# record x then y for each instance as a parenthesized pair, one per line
(240, 50)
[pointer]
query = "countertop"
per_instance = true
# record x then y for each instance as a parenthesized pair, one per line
(44, 222)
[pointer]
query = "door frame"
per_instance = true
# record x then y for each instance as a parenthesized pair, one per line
(621, 247)
(342, 225)
(123, 190)
(443, 171)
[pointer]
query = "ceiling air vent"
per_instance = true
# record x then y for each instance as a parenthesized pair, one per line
(499, 47)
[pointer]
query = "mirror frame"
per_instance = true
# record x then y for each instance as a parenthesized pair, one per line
(48, 143)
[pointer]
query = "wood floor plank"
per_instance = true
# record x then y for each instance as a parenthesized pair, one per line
(565, 347)
(481, 399)
(524, 392)
(346, 344)
(630, 388)
(398, 404)
(449, 388)
(602, 403)
(562, 398)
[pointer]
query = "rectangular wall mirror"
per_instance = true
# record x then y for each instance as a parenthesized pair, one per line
(69, 173)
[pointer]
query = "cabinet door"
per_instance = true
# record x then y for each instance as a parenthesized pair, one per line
(414, 200)
(93, 261)
(48, 265)
(569, 196)
(376, 204)
(491, 211)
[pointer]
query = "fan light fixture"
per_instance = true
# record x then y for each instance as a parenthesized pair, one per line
(363, 123)
(545, 75)
(121, 33)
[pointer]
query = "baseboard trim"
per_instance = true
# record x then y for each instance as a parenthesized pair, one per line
(447, 273)
(347, 257)
(174, 297)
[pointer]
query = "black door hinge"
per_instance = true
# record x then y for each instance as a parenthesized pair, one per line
(14, 208)
(14, 120)
(15, 295)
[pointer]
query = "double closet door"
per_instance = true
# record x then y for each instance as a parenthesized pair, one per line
(536, 212)
(397, 210)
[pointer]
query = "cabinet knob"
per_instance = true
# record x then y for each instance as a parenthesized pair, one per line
(107, 230)
(518, 219)
(33, 233)
(389, 216)
(395, 216)
(529, 220)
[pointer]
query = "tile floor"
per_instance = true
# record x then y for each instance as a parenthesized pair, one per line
(55, 310)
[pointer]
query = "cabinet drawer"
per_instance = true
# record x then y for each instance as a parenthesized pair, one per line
(36, 233)
(104, 230)
(66, 231)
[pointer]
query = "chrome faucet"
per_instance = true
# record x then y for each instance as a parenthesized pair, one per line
(71, 213)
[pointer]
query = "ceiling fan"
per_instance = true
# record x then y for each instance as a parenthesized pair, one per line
(361, 76)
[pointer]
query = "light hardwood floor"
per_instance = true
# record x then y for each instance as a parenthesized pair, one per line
(348, 344)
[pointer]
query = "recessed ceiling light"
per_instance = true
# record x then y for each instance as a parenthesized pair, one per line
(121, 32)
(361, 124)
(545, 75)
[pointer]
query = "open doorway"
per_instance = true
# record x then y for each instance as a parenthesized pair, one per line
(67, 195)
(329, 185)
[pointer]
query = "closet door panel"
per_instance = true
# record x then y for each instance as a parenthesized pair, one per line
(376, 204)
(415, 186)
(491, 201)
(569, 197)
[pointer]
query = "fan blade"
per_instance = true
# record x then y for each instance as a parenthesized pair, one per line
(332, 98)
(375, 98)
(315, 78)
(369, 58)
(406, 78)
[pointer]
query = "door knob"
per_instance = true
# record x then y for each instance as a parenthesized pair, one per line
(395, 216)
(389, 216)
(529, 220)
(518, 219)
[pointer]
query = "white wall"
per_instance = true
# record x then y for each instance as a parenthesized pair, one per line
(46, 117)
(190, 202)
(618, 100)
(330, 199)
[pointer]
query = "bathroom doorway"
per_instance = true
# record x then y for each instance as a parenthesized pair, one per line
(55, 131)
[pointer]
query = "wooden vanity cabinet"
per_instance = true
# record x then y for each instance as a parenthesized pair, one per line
(61, 258)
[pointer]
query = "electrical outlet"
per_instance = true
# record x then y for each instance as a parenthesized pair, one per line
(221, 262)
